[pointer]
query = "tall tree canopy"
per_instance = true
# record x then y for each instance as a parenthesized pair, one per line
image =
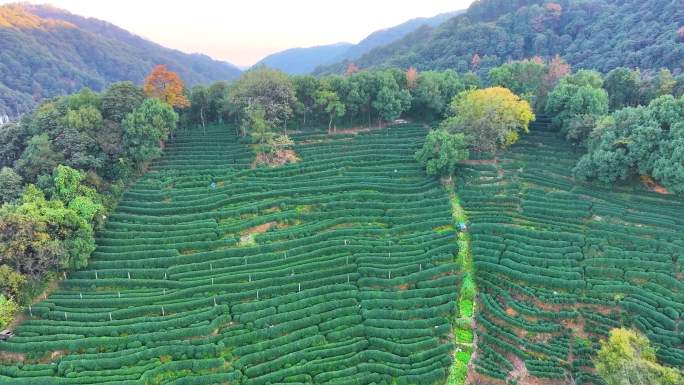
(305, 93)
(329, 102)
(638, 141)
(39, 158)
(121, 99)
(40, 234)
(270, 89)
(166, 86)
(442, 151)
(268, 146)
(490, 118)
(145, 128)
(11, 185)
(199, 110)
(391, 100)
(622, 85)
(627, 358)
(13, 139)
(578, 98)
(620, 145)
(257, 127)
(217, 94)
(532, 79)
(434, 91)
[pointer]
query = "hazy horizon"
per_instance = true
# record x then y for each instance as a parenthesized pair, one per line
(243, 33)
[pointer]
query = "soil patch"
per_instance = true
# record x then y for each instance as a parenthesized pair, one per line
(653, 185)
(279, 159)
(355, 130)
(256, 230)
(519, 372)
(481, 161)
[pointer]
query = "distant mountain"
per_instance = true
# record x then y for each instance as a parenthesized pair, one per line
(389, 35)
(46, 51)
(297, 61)
(596, 34)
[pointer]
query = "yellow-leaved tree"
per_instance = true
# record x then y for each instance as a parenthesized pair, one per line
(627, 358)
(490, 118)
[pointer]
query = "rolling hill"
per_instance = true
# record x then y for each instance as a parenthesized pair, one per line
(297, 61)
(46, 51)
(587, 34)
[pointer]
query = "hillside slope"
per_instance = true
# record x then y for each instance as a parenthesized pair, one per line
(597, 34)
(337, 269)
(46, 51)
(298, 61)
(559, 264)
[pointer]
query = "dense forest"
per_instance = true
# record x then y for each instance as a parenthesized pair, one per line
(46, 51)
(591, 34)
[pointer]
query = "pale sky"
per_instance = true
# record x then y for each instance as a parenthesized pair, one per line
(243, 32)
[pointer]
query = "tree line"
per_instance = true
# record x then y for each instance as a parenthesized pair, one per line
(63, 168)
(265, 104)
(358, 98)
(629, 123)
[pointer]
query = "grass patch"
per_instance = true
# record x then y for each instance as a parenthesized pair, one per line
(444, 229)
(463, 333)
(304, 208)
(459, 369)
(464, 356)
(464, 336)
(465, 307)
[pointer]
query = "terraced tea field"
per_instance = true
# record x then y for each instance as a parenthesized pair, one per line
(558, 265)
(340, 269)
(337, 269)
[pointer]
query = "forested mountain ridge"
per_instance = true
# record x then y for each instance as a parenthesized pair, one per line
(296, 61)
(46, 51)
(389, 35)
(595, 34)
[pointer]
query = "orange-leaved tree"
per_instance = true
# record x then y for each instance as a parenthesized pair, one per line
(166, 86)
(475, 62)
(411, 78)
(351, 68)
